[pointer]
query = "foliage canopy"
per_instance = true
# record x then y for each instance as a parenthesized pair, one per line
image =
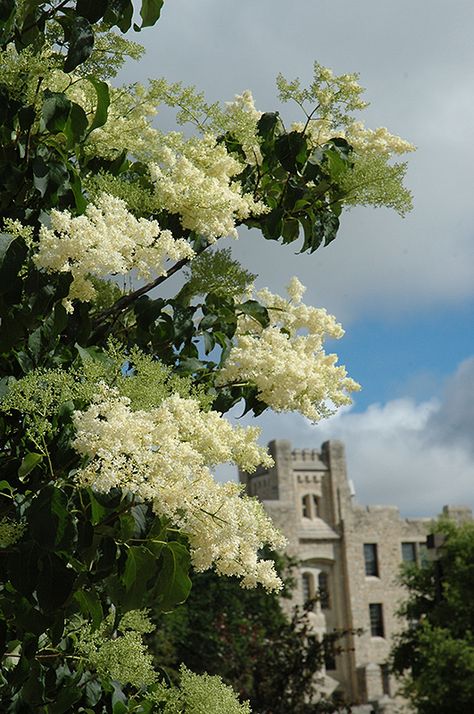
(112, 398)
(435, 655)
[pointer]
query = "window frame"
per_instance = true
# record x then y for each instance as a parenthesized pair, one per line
(308, 589)
(376, 620)
(413, 549)
(371, 562)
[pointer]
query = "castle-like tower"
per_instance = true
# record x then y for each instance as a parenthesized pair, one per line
(350, 557)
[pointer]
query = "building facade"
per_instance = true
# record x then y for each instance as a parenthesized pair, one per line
(350, 557)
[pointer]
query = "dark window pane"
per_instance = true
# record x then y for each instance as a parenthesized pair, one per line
(370, 557)
(307, 586)
(323, 585)
(409, 552)
(305, 506)
(329, 655)
(376, 620)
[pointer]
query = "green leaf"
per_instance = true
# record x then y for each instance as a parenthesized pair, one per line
(103, 102)
(34, 342)
(66, 697)
(255, 310)
(208, 321)
(6, 9)
(209, 342)
(174, 584)
(76, 188)
(337, 163)
(268, 124)
(5, 486)
(93, 693)
(190, 365)
(127, 527)
(5, 242)
(55, 111)
(30, 461)
(98, 510)
(90, 605)
(119, 708)
(120, 13)
(55, 582)
(136, 566)
(92, 354)
(92, 10)
(149, 12)
(273, 224)
(76, 125)
(12, 253)
(291, 230)
(23, 568)
(291, 150)
(50, 176)
(32, 692)
(50, 521)
(80, 37)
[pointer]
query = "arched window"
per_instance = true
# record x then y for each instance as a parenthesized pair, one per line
(307, 586)
(306, 506)
(310, 506)
(324, 594)
(316, 513)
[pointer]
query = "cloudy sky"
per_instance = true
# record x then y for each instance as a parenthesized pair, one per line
(403, 288)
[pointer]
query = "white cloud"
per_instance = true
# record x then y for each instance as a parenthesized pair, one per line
(418, 456)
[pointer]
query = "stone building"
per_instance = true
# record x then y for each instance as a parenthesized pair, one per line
(350, 557)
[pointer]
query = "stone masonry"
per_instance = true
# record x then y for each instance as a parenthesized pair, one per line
(350, 556)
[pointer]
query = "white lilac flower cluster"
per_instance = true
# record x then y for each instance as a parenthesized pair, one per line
(106, 239)
(128, 126)
(291, 370)
(377, 141)
(194, 179)
(240, 118)
(364, 141)
(164, 456)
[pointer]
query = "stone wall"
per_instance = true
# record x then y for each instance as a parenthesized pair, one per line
(308, 496)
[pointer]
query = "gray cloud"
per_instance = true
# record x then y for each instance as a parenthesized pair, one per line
(453, 423)
(416, 59)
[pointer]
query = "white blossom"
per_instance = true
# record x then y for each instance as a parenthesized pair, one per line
(291, 370)
(240, 119)
(164, 456)
(194, 179)
(106, 239)
(378, 141)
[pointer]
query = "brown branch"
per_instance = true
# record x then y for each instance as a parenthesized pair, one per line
(125, 302)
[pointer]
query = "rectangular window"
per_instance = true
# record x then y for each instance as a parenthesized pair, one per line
(409, 552)
(306, 582)
(370, 557)
(329, 655)
(385, 679)
(324, 596)
(376, 620)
